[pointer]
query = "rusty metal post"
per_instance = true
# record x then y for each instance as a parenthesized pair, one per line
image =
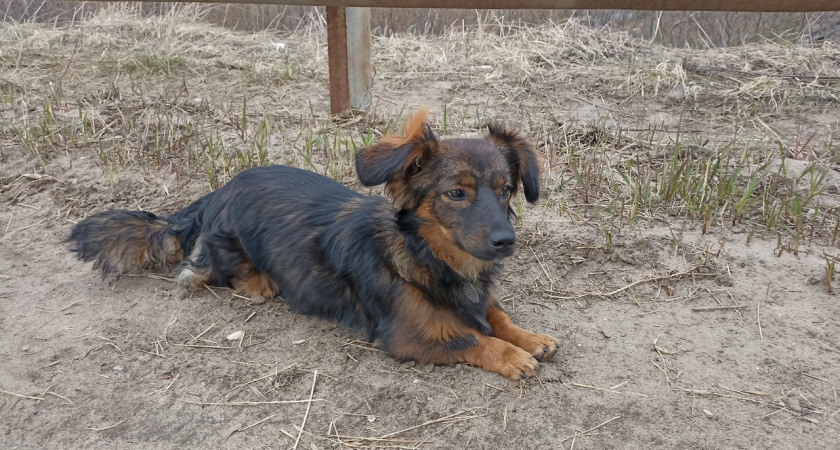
(349, 41)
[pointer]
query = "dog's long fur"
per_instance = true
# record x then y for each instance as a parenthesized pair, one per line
(414, 274)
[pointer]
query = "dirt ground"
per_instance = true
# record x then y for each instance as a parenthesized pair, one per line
(671, 338)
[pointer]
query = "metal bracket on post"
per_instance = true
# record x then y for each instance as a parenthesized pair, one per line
(349, 40)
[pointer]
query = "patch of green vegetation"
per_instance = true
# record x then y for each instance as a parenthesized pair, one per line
(155, 64)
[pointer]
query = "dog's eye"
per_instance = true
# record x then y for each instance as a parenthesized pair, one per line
(456, 195)
(505, 192)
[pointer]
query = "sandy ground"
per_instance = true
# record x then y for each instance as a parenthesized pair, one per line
(671, 339)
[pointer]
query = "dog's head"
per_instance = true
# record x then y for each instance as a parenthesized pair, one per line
(461, 189)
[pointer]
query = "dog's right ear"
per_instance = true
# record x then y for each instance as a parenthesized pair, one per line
(394, 159)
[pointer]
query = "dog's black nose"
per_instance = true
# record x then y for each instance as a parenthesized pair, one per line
(502, 240)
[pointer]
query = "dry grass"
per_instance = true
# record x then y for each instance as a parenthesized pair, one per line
(673, 28)
(631, 131)
(688, 132)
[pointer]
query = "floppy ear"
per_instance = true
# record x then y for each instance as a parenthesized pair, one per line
(522, 159)
(394, 159)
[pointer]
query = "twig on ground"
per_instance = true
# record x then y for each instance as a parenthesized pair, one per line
(256, 423)
(112, 343)
(172, 321)
(204, 346)
(815, 377)
(20, 395)
(308, 405)
(6, 229)
(153, 276)
(758, 312)
(213, 292)
(202, 333)
(59, 396)
(665, 365)
(430, 422)
(635, 283)
(718, 308)
(268, 402)
(366, 347)
(29, 226)
(108, 427)
(746, 399)
(607, 390)
(574, 436)
(60, 309)
(550, 280)
(160, 392)
(272, 374)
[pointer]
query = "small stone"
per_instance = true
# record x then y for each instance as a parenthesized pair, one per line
(236, 335)
(677, 94)
(793, 404)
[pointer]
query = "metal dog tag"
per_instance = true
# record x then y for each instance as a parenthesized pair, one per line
(470, 292)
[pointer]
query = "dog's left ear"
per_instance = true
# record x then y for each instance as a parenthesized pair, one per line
(522, 159)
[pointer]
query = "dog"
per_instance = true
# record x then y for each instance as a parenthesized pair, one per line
(414, 274)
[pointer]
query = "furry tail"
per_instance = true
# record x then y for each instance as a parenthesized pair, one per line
(125, 241)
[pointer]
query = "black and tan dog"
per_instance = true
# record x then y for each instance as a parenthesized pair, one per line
(414, 274)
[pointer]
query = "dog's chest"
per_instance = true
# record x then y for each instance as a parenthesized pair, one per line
(469, 301)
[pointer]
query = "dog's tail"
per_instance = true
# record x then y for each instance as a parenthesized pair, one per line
(121, 241)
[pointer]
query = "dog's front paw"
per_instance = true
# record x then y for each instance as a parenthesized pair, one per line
(502, 357)
(517, 364)
(541, 346)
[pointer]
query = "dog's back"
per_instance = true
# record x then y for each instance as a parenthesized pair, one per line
(270, 231)
(303, 236)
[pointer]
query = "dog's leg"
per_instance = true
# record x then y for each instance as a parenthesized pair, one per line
(495, 355)
(194, 272)
(433, 335)
(248, 280)
(486, 352)
(541, 346)
(230, 266)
